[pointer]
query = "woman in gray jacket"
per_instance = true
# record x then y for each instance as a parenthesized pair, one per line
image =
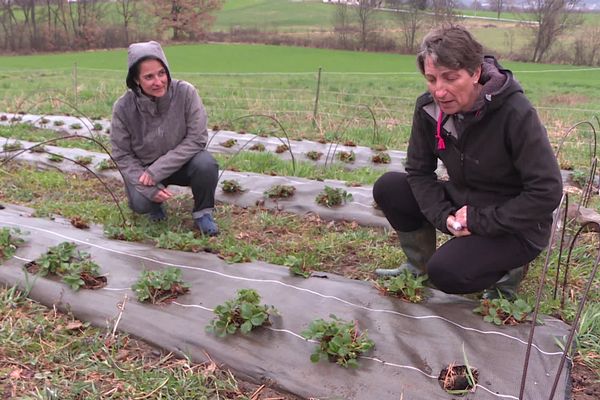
(159, 136)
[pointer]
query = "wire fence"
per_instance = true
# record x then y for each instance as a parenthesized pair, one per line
(311, 105)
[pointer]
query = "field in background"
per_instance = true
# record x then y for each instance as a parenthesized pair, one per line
(364, 97)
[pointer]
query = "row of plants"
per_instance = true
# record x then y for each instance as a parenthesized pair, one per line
(329, 197)
(339, 341)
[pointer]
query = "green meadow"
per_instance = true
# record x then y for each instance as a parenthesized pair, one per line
(364, 97)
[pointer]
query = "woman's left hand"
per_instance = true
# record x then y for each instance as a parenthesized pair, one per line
(146, 179)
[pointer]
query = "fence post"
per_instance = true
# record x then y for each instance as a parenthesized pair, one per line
(316, 108)
(75, 84)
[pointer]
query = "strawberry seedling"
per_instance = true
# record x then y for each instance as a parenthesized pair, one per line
(405, 286)
(331, 197)
(160, 286)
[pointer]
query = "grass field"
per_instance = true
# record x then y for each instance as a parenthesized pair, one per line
(237, 80)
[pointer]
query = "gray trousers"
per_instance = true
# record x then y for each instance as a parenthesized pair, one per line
(201, 173)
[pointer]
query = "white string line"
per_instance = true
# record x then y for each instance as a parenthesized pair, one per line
(292, 333)
(272, 281)
(375, 359)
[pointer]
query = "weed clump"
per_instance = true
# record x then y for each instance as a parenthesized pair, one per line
(244, 313)
(160, 286)
(297, 266)
(339, 341)
(331, 197)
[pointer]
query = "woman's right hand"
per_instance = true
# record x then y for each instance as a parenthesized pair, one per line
(162, 195)
(457, 225)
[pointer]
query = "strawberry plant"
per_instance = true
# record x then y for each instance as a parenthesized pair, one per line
(502, 311)
(83, 160)
(38, 149)
(97, 126)
(231, 186)
(14, 146)
(244, 313)
(282, 148)
(349, 143)
(55, 157)
(381, 158)
(405, 286)
(258, 147)
(280, 191)
(347, 156)
(160, 286)
(331, 197)
(229, 143)
(314, 155)
(75, 126)
(180, 241)
(75, 268)
(9, 242)
(105, 164)
(58, 122)
(339, 341)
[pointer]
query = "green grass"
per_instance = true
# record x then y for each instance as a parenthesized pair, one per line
(49, 355)
(281, 81)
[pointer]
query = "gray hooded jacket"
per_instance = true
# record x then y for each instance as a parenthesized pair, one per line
(156, 135)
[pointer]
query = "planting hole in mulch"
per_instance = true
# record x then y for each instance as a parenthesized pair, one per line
(169, 295)
(454, 379)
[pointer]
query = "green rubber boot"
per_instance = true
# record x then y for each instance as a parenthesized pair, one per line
(507, 286)
(418, 246)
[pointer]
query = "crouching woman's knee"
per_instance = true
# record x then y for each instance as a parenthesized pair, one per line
(203, 163)
(448, 278)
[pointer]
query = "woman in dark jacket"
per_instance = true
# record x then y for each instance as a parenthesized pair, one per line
(504, 181)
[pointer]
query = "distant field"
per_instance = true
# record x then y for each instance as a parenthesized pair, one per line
(237, 80)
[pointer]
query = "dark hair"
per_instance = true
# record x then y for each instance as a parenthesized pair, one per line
(451, 46)
(134, 72)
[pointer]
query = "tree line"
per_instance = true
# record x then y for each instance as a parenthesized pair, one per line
(53, 25)
(58, 25)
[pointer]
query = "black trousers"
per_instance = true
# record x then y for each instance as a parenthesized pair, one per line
(201, 173)
(463, 264)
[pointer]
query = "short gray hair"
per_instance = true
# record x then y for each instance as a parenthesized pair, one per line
(452, 47)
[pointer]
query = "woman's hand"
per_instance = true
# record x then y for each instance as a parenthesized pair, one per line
(162, 195)
(457, 223)
(146, 179)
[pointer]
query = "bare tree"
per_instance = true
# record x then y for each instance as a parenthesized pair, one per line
(342, 25)
(365, 12)
(187, 19)
(411, 19)
(127, 9)
(553, 18)
(587, 47)
(497, 5)
(443, 11)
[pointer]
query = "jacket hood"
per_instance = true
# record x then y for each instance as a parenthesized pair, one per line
(138, 52)
(498, 84)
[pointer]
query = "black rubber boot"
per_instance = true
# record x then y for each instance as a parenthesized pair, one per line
(418, 246)
(507, 286)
